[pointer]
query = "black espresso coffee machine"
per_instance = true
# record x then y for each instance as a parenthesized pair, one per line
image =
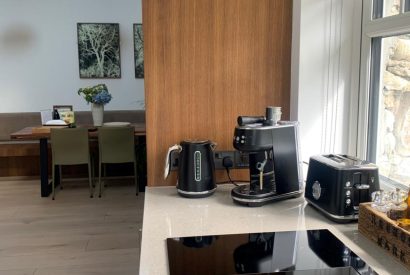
(274, 165)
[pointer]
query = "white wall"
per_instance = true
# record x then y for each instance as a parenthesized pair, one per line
(39, 55)
(325, 73)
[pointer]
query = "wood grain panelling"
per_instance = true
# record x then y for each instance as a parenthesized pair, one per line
(206, 62)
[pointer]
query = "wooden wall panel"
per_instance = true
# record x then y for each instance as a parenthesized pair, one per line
(208, 61)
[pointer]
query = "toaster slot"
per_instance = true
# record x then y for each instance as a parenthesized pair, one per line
(344, 160)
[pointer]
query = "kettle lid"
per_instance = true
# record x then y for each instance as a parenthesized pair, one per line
(189, 141)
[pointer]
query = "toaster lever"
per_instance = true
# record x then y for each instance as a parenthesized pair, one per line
(362, 186)
(360, 194)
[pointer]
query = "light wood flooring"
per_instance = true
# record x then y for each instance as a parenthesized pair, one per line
(73, 234)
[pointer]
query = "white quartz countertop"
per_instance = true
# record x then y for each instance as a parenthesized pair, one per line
(167, 215)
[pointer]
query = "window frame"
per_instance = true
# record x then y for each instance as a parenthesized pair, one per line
(372, 29)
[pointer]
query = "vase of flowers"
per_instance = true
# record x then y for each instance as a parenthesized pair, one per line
(98, 96)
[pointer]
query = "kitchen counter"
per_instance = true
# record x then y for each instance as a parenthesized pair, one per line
(166, 215)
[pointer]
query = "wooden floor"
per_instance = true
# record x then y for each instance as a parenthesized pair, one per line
(71, 235)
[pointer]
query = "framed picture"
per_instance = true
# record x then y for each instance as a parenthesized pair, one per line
(99, 50)
(61, 108)
(138, 51)
(65, 113)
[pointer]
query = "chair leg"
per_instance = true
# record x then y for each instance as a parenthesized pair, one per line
(61, 177)
(52, 181)
(90, 180)
(92, 171)
(104, 165)
(99, 178)
(135, 179)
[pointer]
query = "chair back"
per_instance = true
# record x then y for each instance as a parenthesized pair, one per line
(69, 146)
(116, 144)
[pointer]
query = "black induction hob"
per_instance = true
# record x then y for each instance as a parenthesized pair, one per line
(288, 253)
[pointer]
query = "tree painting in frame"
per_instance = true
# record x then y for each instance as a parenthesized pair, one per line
(139, 51)
(99, 50)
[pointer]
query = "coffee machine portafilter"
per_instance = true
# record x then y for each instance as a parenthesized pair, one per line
(274, 164)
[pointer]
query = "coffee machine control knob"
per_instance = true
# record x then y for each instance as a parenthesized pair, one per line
(239, 139)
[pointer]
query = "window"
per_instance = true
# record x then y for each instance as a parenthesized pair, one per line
(385, 8)
(389, 136)
(384, 106)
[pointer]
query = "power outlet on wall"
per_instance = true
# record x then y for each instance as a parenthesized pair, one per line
(174, 160)
(239, 159)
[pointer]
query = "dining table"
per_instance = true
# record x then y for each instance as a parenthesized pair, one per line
(42, 133)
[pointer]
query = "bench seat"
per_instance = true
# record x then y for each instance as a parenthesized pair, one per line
(19, 148)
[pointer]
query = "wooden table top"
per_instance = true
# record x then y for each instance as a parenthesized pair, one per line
(33, 133)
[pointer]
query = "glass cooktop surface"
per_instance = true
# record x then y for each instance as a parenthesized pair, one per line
(307, 252)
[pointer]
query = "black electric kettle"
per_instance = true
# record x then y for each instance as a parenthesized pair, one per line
(196, 168)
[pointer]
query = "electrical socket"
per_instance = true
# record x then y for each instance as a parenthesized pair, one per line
(174, 160)
(239, 159)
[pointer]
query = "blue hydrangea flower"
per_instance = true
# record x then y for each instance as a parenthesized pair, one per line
(96, 94)
(102, 97)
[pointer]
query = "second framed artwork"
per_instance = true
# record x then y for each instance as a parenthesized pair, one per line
(99, 50)
(138, 51)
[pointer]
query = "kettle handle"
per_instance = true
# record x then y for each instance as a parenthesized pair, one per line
(167, 169)
(213, 145)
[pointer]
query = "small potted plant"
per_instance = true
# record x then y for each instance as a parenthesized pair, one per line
(98, 96)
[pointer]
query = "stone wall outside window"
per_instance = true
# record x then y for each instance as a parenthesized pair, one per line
(393, 146)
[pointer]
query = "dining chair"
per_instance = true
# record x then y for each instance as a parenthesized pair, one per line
(116, 145)
(70, 146)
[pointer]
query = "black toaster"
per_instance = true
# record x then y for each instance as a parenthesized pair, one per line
(336, 184)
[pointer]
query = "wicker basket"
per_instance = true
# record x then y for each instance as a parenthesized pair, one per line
(385, 233)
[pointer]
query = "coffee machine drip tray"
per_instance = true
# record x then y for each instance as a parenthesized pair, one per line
(291, 252)
(244, 195)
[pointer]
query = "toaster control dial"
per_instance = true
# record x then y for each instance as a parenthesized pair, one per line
(348, 192)
(316, 190)
(348, 202)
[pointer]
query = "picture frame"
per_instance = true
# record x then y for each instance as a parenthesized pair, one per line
(104, 60)
(65, 112)
(138, 36)
(62, 108)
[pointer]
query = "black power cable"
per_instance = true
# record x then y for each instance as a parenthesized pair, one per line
(228, 172)
(228, 164)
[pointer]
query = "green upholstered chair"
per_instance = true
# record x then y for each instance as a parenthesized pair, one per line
(116, 145)
(69, 146)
